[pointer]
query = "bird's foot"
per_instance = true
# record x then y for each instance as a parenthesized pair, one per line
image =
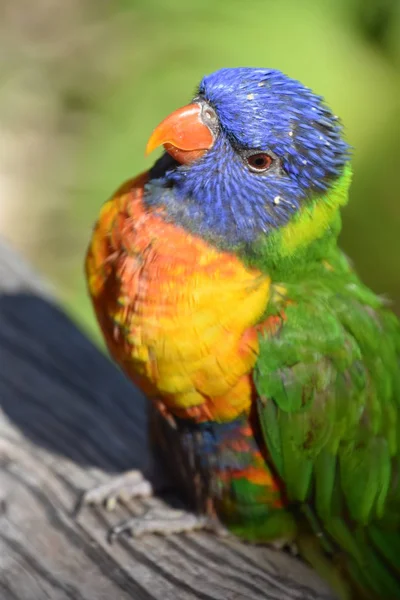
(157, 519)
(166, 521)
(128, 485)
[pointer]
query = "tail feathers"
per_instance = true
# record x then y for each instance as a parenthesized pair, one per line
(374, 570)
(360, 563)
(383, 561)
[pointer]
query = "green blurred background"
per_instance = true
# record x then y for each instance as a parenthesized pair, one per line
(84, 82)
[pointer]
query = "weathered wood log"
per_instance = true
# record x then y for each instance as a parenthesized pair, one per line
(69, 418)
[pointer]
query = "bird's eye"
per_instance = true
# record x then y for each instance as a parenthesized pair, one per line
(259, 162)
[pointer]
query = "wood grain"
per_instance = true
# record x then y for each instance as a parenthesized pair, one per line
(69, 419)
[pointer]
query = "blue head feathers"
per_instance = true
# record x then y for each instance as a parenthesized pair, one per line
(258, 111)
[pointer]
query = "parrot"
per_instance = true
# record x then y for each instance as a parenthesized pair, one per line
(221, 291)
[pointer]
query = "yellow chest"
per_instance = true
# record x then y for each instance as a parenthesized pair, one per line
(176, 313)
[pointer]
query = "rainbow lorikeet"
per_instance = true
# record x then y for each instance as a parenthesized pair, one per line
(220, 290)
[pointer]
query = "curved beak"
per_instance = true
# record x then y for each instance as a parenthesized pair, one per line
(183, 135)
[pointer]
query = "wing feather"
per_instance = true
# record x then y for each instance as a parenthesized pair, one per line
(329, 407)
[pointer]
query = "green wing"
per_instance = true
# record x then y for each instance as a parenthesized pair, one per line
(329, 406)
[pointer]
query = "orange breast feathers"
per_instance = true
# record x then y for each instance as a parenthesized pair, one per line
(177, 314)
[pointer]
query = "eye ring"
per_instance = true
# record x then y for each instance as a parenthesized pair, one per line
(259, 162)
(208, 115)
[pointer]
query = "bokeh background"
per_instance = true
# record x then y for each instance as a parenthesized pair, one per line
(85, 81)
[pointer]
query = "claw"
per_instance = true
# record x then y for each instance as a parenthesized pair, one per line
(129, 485)
(166, 521)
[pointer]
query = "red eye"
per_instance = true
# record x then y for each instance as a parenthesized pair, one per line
(259, 162)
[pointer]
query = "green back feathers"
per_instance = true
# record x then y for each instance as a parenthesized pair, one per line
(329, 387)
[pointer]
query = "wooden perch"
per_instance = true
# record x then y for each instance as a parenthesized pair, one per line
(69, 419)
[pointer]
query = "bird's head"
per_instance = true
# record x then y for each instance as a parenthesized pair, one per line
(256, 154)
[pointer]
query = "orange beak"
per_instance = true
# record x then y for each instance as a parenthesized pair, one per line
(183, 135)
